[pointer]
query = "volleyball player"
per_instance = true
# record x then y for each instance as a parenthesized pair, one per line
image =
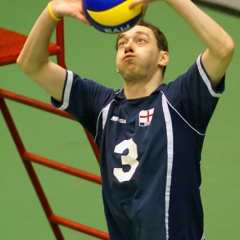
(150, 134)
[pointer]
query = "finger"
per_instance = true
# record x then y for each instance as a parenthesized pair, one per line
(144, 9)
(134, 3)
(83, 19)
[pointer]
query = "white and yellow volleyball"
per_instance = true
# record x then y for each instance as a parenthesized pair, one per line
(112, 16)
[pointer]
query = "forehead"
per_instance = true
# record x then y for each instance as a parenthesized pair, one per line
(138, 30)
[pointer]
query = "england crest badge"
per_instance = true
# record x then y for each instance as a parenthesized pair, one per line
(145, 117)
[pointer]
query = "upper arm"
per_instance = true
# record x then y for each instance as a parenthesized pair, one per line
(51, 77)
(216, 66)
(194, 97)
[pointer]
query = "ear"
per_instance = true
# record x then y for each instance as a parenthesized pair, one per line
(163, 58)
(117, 70)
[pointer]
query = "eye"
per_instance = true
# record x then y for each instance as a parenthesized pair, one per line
(121, 44)
(141, 40)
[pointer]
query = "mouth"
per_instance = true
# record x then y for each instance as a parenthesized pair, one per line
(128, 56)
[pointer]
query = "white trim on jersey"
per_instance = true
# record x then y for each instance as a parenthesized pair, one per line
(169, 131)
(67, 90)
(104, 113)
(202, 134)
(206, 79)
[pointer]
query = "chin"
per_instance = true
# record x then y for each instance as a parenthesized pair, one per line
(132, 76)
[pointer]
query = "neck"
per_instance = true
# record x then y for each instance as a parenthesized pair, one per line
(141, 88)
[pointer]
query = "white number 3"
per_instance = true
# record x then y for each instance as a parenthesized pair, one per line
(129, 159)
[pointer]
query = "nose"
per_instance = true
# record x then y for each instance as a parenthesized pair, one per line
(128, 47)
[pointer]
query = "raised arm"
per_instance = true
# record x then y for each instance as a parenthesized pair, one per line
(34, 57)
(220, 46)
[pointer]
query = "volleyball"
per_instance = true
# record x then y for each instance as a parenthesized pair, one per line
(112, 16)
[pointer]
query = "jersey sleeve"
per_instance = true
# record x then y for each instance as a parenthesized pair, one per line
(84, 100)
(194, 97)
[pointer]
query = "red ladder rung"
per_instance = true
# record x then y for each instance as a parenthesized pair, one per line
(48, 108)
(33, 103)
(61, 167)
(79, 227)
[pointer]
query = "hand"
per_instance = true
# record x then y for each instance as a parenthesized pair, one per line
(69, 8)
(144, 5)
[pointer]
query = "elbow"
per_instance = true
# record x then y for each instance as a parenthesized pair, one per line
(22, 64)
(232, 47)
(227, 49)
(27, 66)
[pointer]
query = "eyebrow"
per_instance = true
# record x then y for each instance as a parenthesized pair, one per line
(137, 33)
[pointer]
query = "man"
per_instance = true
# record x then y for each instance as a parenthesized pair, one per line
(150, 134)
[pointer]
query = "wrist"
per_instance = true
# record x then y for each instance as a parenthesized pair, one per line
(52, 13)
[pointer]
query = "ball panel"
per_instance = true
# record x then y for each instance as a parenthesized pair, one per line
(113, 22)
(117, 29)
(101, 5)
(116, 15)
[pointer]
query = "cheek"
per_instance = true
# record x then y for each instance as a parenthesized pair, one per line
(148, 58)
(118, 58)
(152, 56)
(119, 62)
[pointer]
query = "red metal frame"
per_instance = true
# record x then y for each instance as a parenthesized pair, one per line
(60, 43)
(28, 158)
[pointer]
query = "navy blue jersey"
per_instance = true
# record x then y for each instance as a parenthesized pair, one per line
(150, 152)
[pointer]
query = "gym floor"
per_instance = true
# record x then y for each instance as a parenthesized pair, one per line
(90, 53)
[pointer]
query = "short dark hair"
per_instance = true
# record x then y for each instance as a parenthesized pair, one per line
(162, 42)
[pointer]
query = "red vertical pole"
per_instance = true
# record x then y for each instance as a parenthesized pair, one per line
(60, 42)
